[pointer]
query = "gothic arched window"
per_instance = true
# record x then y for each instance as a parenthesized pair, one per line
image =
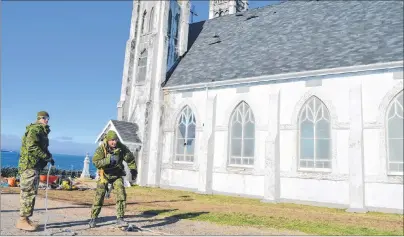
(315, 135)
(185, 136)
(395, 135)
(143, 21)
(142, 66)
(242, 135)
(151, 20)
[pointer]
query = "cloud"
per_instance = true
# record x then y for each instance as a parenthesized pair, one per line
(64, 138)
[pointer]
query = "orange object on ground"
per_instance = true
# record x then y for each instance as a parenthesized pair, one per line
(11, 181)
(52, 178)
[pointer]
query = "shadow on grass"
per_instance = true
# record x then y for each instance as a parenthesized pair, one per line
(152, 213)
(175, 218)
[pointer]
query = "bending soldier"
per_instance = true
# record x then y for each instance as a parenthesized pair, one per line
(108, 160)
(34, 156)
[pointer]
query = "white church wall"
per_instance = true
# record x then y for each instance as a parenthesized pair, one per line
(176, 178)
(386, 197)
(329, 186)
(382, 190)
(315, 191)
(236, 184)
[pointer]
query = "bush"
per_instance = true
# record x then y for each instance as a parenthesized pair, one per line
(9, 172)
(13, 172)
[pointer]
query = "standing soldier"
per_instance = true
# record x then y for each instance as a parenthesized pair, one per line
(108, 160)
(34, 156)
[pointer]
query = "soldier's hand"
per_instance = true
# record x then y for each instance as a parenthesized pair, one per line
(133, 173)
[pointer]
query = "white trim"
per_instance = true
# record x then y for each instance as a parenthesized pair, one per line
(103, 130)
(110, 123)
(293, 75)
(173, 119)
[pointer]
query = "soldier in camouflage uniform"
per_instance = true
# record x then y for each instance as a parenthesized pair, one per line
(108, 160)
(34, 156)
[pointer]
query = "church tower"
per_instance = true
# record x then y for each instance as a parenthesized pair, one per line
(219, 8)
(158, 37)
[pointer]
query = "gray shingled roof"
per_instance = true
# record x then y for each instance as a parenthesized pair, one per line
(292, 36)
(127, 131)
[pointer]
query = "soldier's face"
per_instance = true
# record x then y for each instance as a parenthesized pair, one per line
(44, 120)
(112, 143)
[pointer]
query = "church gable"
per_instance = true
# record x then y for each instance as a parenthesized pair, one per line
(292, 36)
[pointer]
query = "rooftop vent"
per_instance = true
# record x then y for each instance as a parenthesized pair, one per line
(251, 17)
(216, 39)
(215, 42)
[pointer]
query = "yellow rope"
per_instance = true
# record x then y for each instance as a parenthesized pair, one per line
(101, 171)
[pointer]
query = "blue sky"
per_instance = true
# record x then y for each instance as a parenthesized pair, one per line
(66, 57)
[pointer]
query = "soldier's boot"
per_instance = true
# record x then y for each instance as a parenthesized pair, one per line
(25, 224)
(121, 223)
(33, 223)
(92, 223)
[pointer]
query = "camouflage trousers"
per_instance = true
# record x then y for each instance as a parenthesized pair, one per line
(29, 181)
(120, 197)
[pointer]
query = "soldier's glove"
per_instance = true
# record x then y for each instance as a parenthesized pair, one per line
(114, 159)
(133, 173)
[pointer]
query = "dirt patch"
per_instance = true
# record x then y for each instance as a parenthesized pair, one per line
(66, 218)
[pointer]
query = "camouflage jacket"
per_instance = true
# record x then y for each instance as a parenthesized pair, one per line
(102, 160)
(34, 151)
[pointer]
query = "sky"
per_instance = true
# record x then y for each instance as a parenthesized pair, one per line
(65, 57)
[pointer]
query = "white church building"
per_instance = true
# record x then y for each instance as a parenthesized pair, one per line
(299, 101)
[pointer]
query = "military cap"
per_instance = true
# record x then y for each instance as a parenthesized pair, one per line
(42, 114)
(111, 135)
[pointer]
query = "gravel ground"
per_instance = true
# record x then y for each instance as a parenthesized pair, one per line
(71, 219)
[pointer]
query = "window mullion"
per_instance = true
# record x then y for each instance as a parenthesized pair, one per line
(185, 138)
(315, 145)
(242, 137)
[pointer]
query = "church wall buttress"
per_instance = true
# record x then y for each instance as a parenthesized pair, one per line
(126, 96)
(152, 49)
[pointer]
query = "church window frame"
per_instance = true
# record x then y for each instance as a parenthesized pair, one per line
(184, 135)
(393, 136)
(151, 20)
(241, 138)
(142, 29)
(314, 119)
(142, 66)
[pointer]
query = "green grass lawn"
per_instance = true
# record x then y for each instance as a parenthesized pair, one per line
(237, 211)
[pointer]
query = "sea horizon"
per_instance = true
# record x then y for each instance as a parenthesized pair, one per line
(10, 158)
(64, 154)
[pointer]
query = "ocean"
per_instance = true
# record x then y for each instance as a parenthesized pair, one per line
(65, 162)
